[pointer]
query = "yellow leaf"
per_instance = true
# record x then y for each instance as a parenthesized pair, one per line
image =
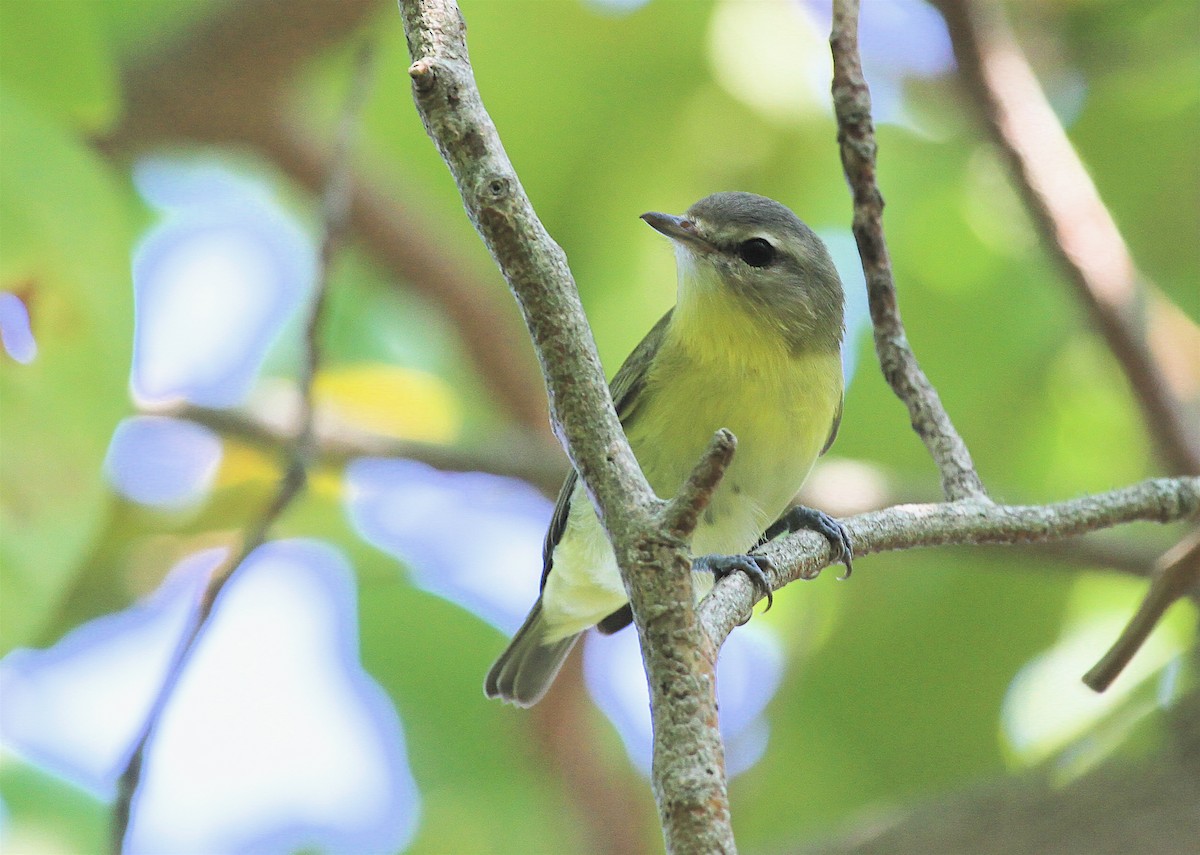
(243, 464)
(389, 400)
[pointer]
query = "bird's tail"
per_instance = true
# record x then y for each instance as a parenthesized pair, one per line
(528, 665)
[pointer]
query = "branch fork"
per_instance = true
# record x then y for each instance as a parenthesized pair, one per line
(679, 641)
(688, 767)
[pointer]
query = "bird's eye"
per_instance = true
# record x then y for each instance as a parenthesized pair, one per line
(756, 252)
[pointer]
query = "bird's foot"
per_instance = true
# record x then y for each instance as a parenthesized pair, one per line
(800, 518)
(753, 566)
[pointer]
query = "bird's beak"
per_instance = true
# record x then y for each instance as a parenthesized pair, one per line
(677, 228)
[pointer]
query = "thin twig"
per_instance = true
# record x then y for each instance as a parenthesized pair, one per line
(1080, 234)
(1176, 576)
(1073, 222)
(804, 554)
(127, 785)
(856, 138)
(335, 213)
(1125, 555)
(517, 454)
(296, 454)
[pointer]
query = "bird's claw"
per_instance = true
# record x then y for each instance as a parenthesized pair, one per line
(754, 566)
(823, 524)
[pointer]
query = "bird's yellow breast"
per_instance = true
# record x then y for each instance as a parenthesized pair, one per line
(717, 367)
(721, 367)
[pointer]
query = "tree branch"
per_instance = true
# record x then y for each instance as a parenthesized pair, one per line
(532, 263)
(688, 767)
(804, 554)
(225, 83)
(856, 138)
(1177, 575)
(648, 537)
(1080, 234)
(1072, 220)
(516, 454)
(681, 514)
(297, 455)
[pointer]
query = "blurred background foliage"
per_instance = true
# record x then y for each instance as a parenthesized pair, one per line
(929, 672)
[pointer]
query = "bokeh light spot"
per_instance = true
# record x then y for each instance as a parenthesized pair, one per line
(214, 283)
(161, 461)
(16, 332)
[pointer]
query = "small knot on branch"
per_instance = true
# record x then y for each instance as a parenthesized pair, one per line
(498, 188)
(423, 73)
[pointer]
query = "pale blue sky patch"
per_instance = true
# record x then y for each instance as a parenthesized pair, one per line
(276, 739)
(898, 39)
(75, 708)
(615, 7)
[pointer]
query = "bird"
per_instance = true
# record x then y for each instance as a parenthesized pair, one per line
(753, 344)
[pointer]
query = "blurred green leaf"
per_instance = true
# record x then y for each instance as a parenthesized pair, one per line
(45, 815)
(64, 249)
(55, 55)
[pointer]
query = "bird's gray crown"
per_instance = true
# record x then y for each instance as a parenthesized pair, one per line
(749, 211)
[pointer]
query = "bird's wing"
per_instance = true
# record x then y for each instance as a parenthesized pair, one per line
(558, 522)
(837, 422)
(631, 377)
(625, 386)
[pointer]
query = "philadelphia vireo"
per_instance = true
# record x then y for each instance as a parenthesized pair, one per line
(753, 345)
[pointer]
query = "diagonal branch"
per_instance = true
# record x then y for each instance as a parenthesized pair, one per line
(516, 455)
(1080, 234)
(681, 513)
(856, 138)
(1075, 226)
(688, 768)
(297, 453)
(532, 263)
